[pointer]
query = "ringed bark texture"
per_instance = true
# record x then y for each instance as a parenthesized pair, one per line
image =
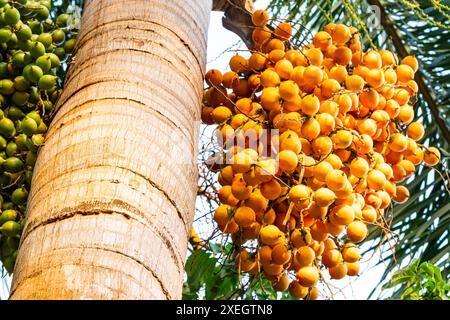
(111, 203)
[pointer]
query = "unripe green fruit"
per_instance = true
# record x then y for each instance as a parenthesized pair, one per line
(21, 140)
(10, 228)
(5, 179)
(8, 205)
(42, 13)
(29, 126)
(9, 263)
(54, 59)
(48, 105)
(3, 69)
(12, 16)
(6, 86)
(32, 73)
(46, 39)
(69, 45)
(46, 3)
(44, 62)
(60, 53)
(24, 33)
(20, 98)
(42, 128)
(19, 196)
(13, 165)
(35, 116)
(21, 84)
(21, 59)
(5, 35)
(62, 20)
(3, 143)
(3, 3)
(13, 242)
(47, 82)
(58, 36)
(11, 149)
(36, 27)
(8, 215)
(34, 95)
(6, 250)
(28, 176)
(15, 113)
(31, 157)
(37, 49)
(7, 128)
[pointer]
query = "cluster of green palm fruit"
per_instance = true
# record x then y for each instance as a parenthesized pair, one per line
(33, 49)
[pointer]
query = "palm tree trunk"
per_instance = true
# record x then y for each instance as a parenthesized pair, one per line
(112, 203)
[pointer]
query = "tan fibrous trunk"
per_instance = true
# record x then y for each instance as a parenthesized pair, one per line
(111, 203)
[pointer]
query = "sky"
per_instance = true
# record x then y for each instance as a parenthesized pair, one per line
(219, 41)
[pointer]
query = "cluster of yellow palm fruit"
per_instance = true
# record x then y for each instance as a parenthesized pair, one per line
(301, 202)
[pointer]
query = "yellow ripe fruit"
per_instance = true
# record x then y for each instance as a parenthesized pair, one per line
(327, 123)
(312, 75)
(342, 139)
(287, 161)
(269, 78)
(260, 18)
(398, 142)
(321, 170)
(222, 214)
(341, 34)
(331, 258)
(256, 201)
(241, 162)
(386, 169)
(240, 189)
(336, 180)
(213, 77)
(300, 238)
(270, 235)
(415, 131)
(305, 255)
(343, 55)
(244, 216)
(289, 140)
(284, 69)
(351, 253)
(388, 57)
(310, 105)
(372, 60)
(299, 193)
(313, 294)
(322, 146)
(338, 272)
(342, 215)
(276, 55)
(288, 90)
(272, 269)
(310, 129)
(283, 31)
(324, 197)
(354, 83)
(297, 74)
(339, 73)
(280, 254)
(282, 284)
(261, 35)
(352, 268)
(367, 126)
(315, 56)
(359, 167)
(404, 73)
(307, 276)
(221, 114)
(322, 40)
(238, 63)
(376, 180)
(375, 78)
(357, 231)
(257, 61)
(335, 161)
(406, 114)
(330, 107)
(329, 88)
(412, 62)
(401, 194)
(269, 97)
(432, 156)
(297, 291)
(270, 190)
(293, 105)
